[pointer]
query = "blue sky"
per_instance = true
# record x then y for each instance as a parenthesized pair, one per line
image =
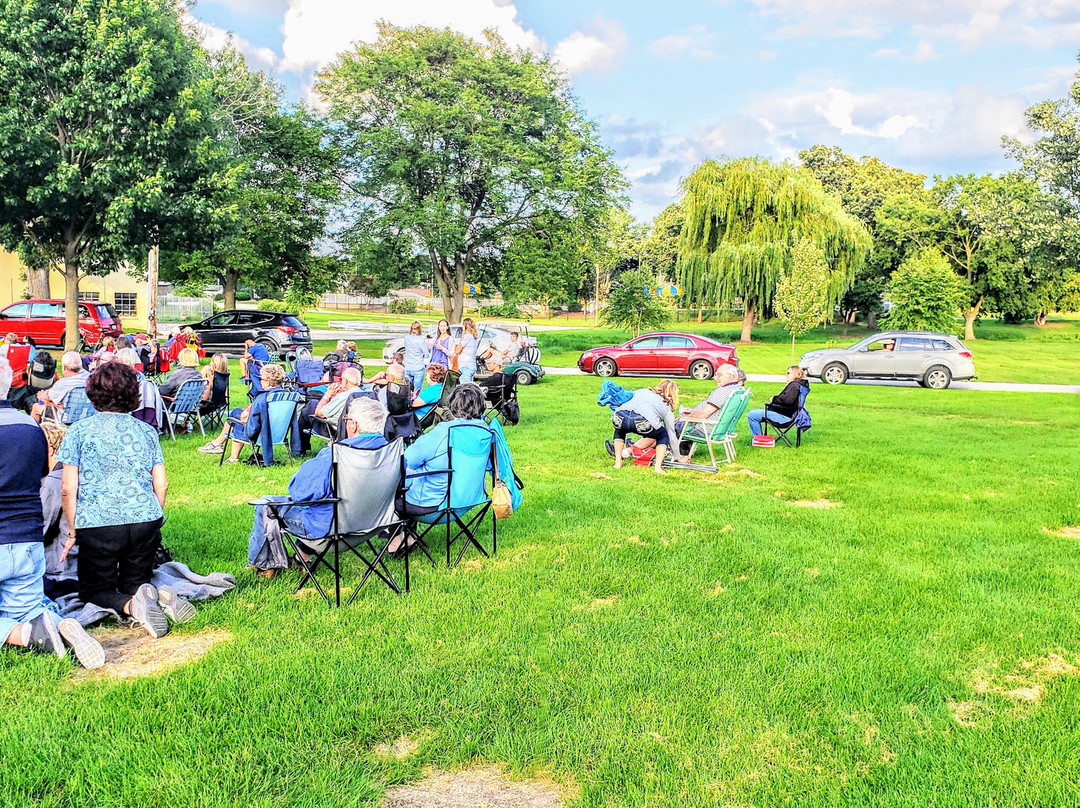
(928, 85)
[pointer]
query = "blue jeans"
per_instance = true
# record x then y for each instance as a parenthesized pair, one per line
(22, 593)
(467, 374)
(755, 417)
(416, 379)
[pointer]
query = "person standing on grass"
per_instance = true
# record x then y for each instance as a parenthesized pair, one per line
(784, 405)
(24, 620)
(466, 350)
(443, 347)
(417, 356)
(113, 491)
(649, 413)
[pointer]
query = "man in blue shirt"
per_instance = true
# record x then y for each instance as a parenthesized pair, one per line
(24, 620)
(253, 352)
(364, 423)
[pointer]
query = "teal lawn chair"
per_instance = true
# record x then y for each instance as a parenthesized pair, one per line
(282, 409)
(722, 433)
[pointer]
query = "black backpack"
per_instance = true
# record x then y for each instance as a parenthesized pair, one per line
(42, 371)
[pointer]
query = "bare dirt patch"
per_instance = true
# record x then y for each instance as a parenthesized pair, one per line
(1068, 532)
(744, 473)
(814, 503)
(130, 653)
(597, 603)
(599, 475)
(404, 747)
(478, 788)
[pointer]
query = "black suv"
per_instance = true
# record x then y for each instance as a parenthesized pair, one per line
(276, 330)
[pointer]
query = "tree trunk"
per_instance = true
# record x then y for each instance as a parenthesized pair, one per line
(871, 320)
(969, 320)
(457, 293)
(700, 313)
(37, 284)
(1040, 318)
(747, 323)
(71, 299)
(231, 282)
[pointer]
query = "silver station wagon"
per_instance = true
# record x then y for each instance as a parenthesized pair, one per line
(933, 360)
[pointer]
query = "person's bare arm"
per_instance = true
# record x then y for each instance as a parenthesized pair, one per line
(331, 391)
(160, 482)
(69, 494)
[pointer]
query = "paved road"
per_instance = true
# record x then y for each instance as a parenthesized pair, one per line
(999, 387)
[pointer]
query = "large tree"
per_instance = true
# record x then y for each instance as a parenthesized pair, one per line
(461, 144)
(107, 141)
(862, 185)
(544, 264)
(287, 180)
(743, 218)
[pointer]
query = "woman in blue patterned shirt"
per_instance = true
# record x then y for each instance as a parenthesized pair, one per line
(113, 490)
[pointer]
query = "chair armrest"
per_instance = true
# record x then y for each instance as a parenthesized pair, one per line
(418, 474)
(274, 506)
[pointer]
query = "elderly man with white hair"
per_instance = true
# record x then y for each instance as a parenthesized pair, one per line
(73, 375)
(329, 407)
(364, 423)
(727, 382)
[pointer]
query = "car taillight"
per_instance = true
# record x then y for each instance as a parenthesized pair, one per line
(287, 329)
(965, 354)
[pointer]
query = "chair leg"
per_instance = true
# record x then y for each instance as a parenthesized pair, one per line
(712, 455)
(201, 430)
(169, 421)
(494, 534)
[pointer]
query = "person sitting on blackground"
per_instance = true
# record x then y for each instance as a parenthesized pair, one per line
(727, 382)
(113, 490)
(427, 494)
(784, 405)
(188, 370)
(25, 620)
(252, 418)
(427, 398)
(649, 413)
(73, 376)
(364, 422)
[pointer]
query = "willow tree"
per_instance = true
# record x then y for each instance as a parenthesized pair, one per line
(742, 220)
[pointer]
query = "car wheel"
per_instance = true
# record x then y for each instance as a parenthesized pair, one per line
(834, 373)
(937, 378)
(701, 370)
(269, 344)
(605, 367)
(524, 377)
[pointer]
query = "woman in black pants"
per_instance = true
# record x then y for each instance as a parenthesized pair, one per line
(113, 491)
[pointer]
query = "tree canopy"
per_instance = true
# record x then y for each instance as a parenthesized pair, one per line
(460, 145)
(107, 137)
(742, 220)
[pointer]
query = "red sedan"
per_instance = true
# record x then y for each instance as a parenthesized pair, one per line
(666, 354)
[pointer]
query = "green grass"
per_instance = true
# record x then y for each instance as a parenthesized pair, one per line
(751, 652)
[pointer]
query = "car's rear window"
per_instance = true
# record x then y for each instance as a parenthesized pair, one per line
(944, 345)
(293, 322)
(914, 344)
(106, 311)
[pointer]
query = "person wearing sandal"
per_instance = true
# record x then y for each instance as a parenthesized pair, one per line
(113, 492)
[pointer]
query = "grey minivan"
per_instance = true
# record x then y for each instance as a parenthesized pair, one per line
(931, 359)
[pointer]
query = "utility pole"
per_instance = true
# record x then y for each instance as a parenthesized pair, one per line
(151, 292)
(596, 300)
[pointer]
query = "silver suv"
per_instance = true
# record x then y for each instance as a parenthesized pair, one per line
(933, 360)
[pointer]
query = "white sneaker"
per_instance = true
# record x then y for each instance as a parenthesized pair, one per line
(146, 613)
(86, 649)
(176, 608)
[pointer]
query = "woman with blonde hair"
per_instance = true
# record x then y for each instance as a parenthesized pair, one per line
(466, 350)
(417, 354)
(650, 413)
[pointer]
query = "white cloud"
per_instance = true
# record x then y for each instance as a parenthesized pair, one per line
(766, 56)
(696, 42)
(271, 7)
(215, 38)
(598, 48)
(315, 31)
(923, 53)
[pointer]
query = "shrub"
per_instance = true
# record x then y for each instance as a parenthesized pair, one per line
(926, 294)
(402, 305)
(243, 295)
(503, 310)
(268, 304)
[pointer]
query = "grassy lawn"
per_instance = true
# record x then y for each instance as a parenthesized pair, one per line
(685, 640)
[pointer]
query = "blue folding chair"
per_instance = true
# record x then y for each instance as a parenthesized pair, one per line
(282, 408)
(76, 407)
(188, 403)
(467, 500)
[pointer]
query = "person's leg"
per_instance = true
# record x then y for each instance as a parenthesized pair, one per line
(754, 419)
(22, 595)
(661, 453)
(416, 379)
(306, 422)
(467, 375)
(623, 423)
(99, 566)
(136, 561)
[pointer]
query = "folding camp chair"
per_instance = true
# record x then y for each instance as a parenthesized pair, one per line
(800, 421)
(185, 406)
(503, 402)
(441, 411)
(216, 408)
(309, 375)
(365, 485)
(76, 407)
(717, 430)
(281, 412)
(467, 501)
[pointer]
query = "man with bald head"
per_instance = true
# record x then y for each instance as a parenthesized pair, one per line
(329, 407)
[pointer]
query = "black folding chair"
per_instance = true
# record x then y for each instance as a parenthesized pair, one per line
(467, 501)
(441, 411)
(365, 486)
(216, 408)
(786, 426)
(504, 401)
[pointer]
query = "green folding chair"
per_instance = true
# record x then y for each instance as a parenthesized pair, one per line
(722, 433)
